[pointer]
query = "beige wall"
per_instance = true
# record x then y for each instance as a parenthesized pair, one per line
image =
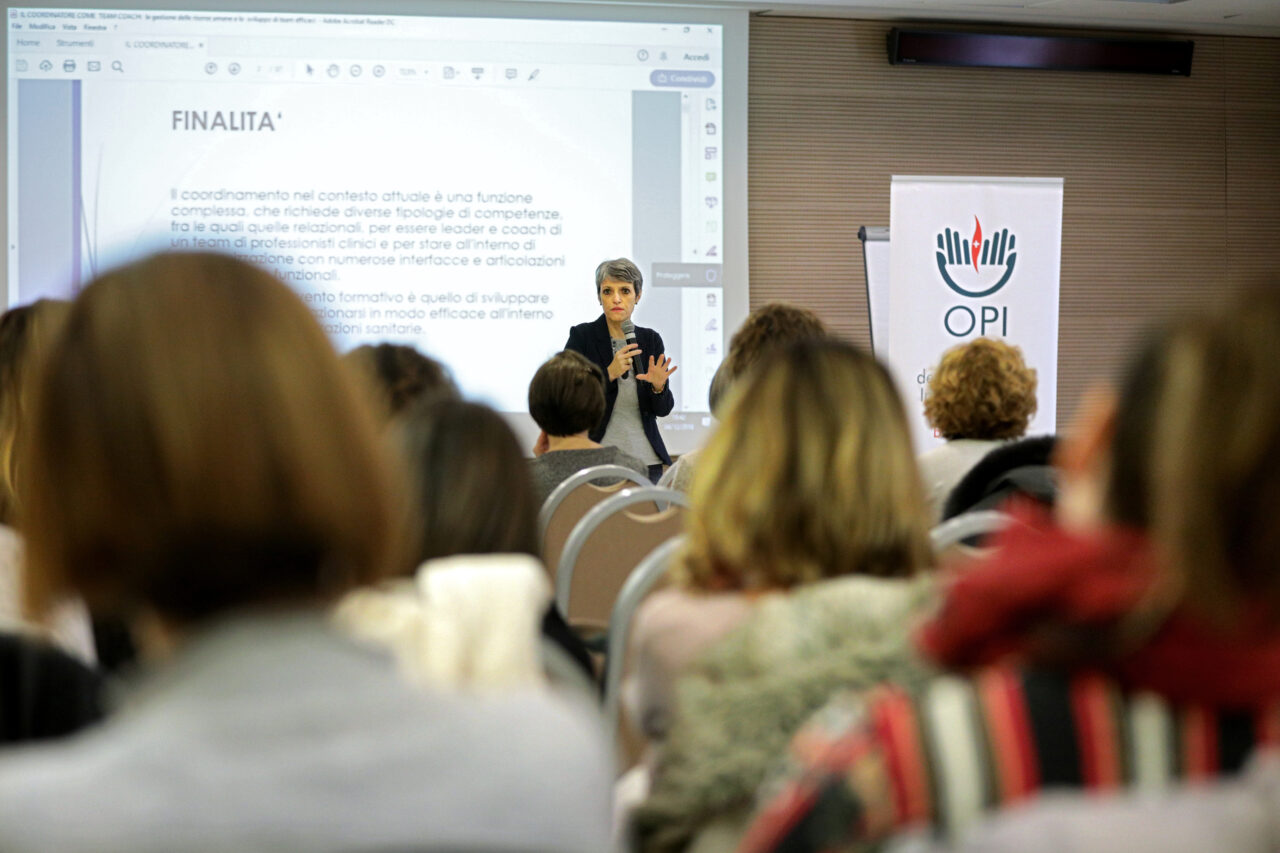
(1172, 185)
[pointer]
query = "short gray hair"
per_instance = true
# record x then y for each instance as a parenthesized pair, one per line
(619, 269)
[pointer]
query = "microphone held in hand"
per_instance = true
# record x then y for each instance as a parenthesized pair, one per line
(628, 331)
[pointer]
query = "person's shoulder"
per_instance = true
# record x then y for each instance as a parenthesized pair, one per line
(561, 758)
(675, 611)
(589, 328)
(39, 783)
(680, 475)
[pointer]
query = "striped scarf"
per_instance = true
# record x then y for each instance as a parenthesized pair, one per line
(945, 755)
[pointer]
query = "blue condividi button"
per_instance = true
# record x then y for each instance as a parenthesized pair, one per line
(695, 79)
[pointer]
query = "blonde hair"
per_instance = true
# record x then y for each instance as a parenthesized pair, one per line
(982, 389)
(26, 334)
(197, 447)
(810, 475)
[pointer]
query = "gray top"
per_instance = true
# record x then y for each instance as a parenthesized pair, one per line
(625, 430)
(276, 733)
(555, 466)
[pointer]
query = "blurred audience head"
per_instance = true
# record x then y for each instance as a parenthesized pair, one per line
(197, 447)
(1194, 453)
(397, 376)
(983, 390)
(26, 334)
(471, 482)
(770, 327)
(566, 396)
(811, 474)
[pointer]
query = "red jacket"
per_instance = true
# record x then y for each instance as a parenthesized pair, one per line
(1043, 584)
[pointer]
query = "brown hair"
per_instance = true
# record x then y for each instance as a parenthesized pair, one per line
(197, 447)
(26, 334)
(810, 475)
(982, 389)
(770, 327)
(398, 375)
(473, 492)
(566, 396)
(1196, 453)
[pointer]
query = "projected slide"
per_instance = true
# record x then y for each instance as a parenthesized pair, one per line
(449, 183)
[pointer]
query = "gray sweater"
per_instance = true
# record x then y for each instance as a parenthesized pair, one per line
(554, 467)
(273, 732)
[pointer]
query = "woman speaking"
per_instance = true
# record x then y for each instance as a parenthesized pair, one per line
(633, 401)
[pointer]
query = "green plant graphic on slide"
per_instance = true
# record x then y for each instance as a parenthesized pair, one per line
(992, 260)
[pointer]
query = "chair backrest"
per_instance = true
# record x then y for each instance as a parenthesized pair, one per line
(571, 500)
(970, 524)
(639, 583)
(606, 545)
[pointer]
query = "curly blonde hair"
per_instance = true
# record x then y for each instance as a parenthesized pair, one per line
(810, 475)
(982, 389)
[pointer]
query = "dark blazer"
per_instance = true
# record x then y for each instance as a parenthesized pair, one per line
(592, 340)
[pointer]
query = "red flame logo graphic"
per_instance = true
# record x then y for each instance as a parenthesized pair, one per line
(975, 245)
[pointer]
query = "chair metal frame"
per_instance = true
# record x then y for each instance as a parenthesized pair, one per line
(638, 585)
(586, 475)
(960, 528)
(594, 518)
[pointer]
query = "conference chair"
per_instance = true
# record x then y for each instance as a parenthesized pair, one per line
(970, 527)
(639, 584)
(603, 548)
(571, 500)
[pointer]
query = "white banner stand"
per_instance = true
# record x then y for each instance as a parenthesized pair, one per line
(972, 257)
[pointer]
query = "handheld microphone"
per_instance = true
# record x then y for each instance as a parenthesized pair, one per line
(629, 331)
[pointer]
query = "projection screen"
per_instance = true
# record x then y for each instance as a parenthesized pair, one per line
(446, 176)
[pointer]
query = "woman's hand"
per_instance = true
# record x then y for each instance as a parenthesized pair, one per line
(659, 369)
(622, 361)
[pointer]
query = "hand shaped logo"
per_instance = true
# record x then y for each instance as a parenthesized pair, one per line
(989, 258)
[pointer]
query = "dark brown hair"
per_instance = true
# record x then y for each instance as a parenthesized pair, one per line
(399, 375)
(566, 396)
(471, 482)
(197, 447)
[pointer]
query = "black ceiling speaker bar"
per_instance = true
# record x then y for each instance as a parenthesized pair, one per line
(1054, 53)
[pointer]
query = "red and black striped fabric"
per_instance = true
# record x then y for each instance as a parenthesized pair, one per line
(867, 767)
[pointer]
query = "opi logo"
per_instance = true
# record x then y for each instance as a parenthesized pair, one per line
(978, 266)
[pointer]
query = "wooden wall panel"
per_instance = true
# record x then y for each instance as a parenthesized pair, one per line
(1172, 185)
(1253, 159)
